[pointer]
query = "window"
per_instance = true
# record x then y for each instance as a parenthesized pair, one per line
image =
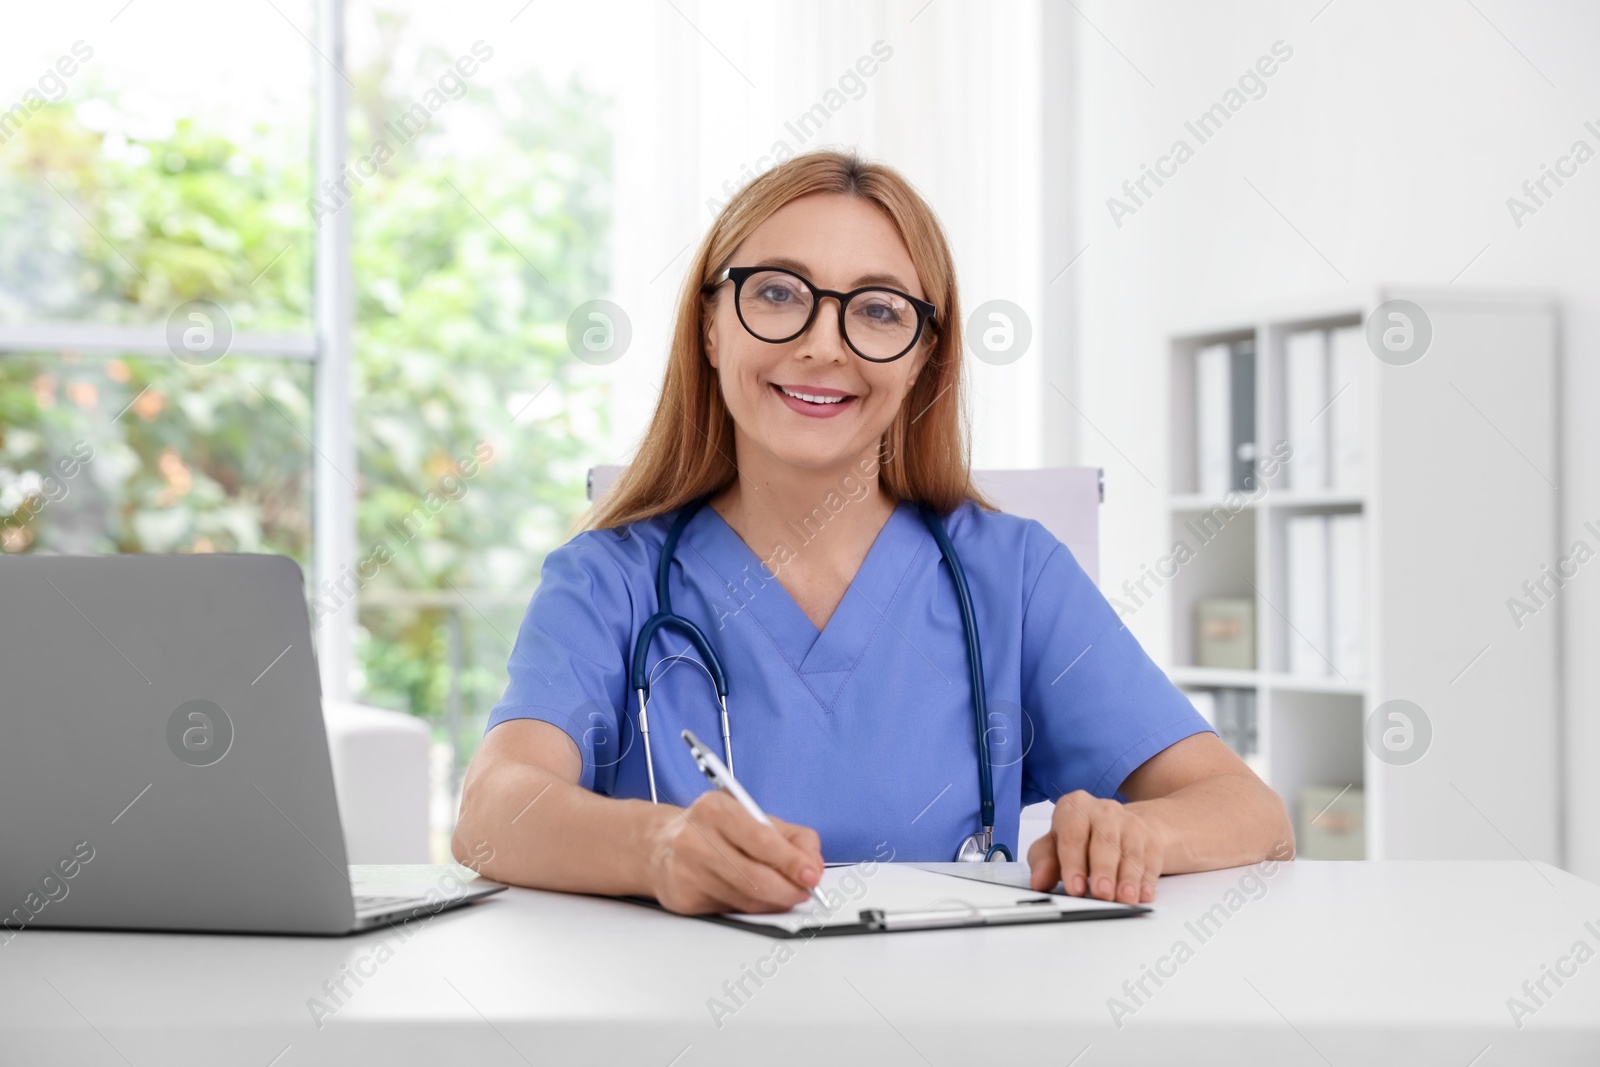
(130, 191)
(160, 225)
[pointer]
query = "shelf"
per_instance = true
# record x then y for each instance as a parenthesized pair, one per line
(1282, 499)
(1200, 502)
(1324, 498)
(1299, 683)
(1286, 683)
(1214, 676)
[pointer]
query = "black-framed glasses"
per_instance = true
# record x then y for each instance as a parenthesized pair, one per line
(777, 305)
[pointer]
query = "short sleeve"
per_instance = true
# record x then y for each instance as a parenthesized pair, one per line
(1098, 704)
(568, 664)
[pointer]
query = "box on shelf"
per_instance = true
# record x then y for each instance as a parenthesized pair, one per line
(1332, 823)
(1225, 633)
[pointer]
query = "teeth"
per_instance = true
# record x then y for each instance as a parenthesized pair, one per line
(812, 399)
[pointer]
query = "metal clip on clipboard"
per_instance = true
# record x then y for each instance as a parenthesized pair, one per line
(1023, 911)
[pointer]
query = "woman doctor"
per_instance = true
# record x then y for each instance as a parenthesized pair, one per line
(812, 405)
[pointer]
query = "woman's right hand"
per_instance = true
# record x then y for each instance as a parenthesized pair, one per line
(714, 856)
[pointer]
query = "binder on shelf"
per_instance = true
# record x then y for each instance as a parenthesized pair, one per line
(1232, 713)
(1346, 601)
(1242, 415)
(1213, 377)
(1305, 375)
(1236, 720)
(1347, 348)
(1306, 565)
(1205, 702)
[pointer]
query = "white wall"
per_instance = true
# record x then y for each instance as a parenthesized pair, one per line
(1390, 140)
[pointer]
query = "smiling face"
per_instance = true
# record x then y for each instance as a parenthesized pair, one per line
(838, 242)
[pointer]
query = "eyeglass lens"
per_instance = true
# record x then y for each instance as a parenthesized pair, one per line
(878, 323)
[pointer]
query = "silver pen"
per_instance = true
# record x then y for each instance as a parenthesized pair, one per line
(723, 779)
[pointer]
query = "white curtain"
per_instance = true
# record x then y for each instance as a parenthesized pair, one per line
(710, 92)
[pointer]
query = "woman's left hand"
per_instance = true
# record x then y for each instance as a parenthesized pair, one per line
(1101, 848)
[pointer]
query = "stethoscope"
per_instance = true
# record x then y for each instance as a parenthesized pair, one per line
(978, 847)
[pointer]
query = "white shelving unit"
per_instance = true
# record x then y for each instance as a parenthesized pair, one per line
(1460, 508)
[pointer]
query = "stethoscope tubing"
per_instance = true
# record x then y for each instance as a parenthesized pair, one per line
(665, 618)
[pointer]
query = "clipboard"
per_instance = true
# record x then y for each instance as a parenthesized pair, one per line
(884, 898)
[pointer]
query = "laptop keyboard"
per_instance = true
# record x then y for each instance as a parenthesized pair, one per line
(365, 902)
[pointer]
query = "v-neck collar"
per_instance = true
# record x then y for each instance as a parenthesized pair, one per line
(863, 609)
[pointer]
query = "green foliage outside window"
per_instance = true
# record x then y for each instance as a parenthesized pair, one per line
(466, 267)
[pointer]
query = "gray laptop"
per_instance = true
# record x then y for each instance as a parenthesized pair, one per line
(163, 762)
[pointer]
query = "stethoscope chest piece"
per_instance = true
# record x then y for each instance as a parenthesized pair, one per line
(981, 848)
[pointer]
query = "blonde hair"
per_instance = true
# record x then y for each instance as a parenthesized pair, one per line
(687, 451)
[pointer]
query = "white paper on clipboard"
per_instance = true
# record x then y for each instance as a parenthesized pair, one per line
(900, 887)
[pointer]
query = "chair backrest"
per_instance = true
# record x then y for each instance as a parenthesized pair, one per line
(1065, 500)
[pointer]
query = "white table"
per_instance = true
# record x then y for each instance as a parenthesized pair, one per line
(1329, 963)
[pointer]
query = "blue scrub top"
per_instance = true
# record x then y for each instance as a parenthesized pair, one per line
(865, 731)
